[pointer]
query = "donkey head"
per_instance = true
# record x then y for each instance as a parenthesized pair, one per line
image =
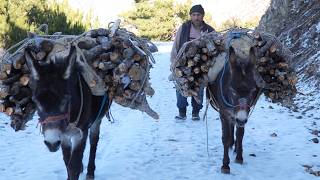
(51, 79)
(242, 84)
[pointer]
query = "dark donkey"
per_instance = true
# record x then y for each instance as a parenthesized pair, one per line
(66, 107)
(233, 95)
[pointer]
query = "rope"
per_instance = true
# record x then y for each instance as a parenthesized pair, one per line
(74, 124)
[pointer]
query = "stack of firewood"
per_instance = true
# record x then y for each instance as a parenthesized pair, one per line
(122, 60)
(196, 57)
(118, 57)
(273, 64)
(15, 94)
(193, 62)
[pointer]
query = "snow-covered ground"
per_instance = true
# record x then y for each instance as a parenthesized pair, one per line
(136, 147)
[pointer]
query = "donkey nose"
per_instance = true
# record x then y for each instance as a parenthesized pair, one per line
(53, 147)
(241, 123)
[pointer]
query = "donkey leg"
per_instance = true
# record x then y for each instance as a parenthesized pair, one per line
(75, 165)
(94, 138)
(239, 137)
(66, 152)
(226, 139)
(232, 137)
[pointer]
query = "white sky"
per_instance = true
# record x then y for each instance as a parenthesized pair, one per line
(221, 10)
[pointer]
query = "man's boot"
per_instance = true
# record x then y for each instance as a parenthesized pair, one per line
(195, 115)
(182, 114)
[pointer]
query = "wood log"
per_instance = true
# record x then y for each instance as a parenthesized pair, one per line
(9, 111)
(197, 57)
(117, 42)
(148, 90)
(125, 65)
(136, 73)
(18, 60)
(2, 107)
(261, 70)
(104, 66)
(115, 57)
(204, 57)
(105, 56)
(96, 63)
(263, 60)
(128, 94)
(273, 48)
(281, 78)
(190, 78)
(102, 40)
(137, 57)
(204, 68)
(128, 52)
(190, 63)
(178, 72)
(6, 67)
(283, 65)
(108, 78)
(186, 71)
(135, 85)
(126, 43)
(196, 70)
(4, 91)
(292, 79)
(204, 50)
(272, 72)
(191, 50)
(3, 76)
(24, 79)
(87, 43)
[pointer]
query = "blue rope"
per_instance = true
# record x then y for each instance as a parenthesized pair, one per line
(232, 35)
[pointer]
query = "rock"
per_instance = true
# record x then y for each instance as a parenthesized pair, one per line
(315, 140)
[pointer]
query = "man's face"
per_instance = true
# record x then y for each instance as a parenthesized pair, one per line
(196, 18)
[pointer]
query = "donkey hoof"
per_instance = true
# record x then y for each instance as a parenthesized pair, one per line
(225, 170)
(90, 177)
(238, 160)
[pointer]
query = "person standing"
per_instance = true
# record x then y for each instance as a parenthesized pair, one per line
(189, 30)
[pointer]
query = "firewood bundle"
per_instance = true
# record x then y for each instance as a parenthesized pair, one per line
(114, 56)
(273, 64)
(15, 94)
(193, 62)
(122, 60)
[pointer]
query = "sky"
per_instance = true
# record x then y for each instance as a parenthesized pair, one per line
(221, 10)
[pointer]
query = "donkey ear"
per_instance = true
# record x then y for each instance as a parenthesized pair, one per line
(31, 66)
(70, 63)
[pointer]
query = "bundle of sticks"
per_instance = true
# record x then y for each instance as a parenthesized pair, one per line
(198, 56)
(15, 93)
(193, 62)
(122, 60)
(118, 57)
(273, 64)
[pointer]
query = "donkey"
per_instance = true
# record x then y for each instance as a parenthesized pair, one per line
(67, 110)
(233, 95)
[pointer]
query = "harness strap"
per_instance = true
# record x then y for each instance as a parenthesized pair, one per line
(55, 118)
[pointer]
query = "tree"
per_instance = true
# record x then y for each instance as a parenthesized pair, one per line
(17, 17)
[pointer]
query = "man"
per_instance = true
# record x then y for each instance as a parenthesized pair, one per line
(189, 30)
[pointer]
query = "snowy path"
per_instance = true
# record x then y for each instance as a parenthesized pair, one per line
(136, 147)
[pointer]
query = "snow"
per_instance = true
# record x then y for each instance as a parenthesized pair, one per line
(318, 27)
(136, 147)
